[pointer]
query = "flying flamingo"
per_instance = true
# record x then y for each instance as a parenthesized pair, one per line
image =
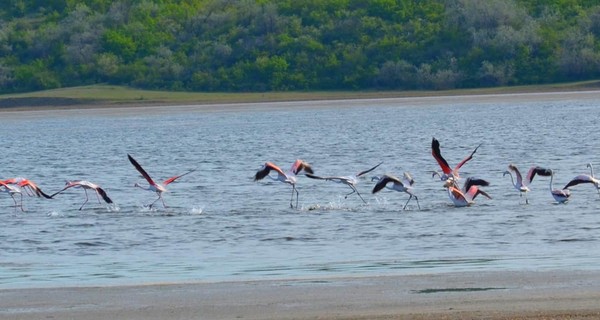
(560, 195)
(285, 177)
(470, 190)
(86, 185)
(523, 185)
(350, 181)
(19, 184)
(152, 185)
(584, 178)
(447, 172)
(404, 185)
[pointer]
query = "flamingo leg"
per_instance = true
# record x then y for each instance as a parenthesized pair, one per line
(358, 193)
(159, 198)
(353, 191)
(291, 200)
(418, 205)
(23, 210)
(86, 199)
(407, 201)
(15, 201)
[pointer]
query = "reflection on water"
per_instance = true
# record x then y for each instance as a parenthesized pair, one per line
(220, 225)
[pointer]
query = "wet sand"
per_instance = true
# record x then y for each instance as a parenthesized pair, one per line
(473, 295)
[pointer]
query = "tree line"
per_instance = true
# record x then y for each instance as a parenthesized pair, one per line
(264, 45)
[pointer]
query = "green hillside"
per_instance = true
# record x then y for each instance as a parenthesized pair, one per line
(306, 45)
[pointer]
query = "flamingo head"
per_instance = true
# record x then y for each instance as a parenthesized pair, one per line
(505, 173)
(375, 178)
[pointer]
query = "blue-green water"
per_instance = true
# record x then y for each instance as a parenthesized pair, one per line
(221, 225)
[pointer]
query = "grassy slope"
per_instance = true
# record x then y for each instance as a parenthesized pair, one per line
(107, 95)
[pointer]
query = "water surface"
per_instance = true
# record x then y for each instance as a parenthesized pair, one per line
(221, 225)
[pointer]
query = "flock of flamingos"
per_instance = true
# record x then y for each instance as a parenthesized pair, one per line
(460, 196)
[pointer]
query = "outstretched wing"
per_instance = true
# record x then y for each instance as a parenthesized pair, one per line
(584, 178)
(63, 189)
(465, 160)
(437, 154)
(103, 194)
(141, 170)
(166, 182)
(367, 171)
(384, 181)
(262, 173)
(537, 170)
(300, 165)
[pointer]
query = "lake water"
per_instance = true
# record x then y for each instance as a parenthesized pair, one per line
(220, 225)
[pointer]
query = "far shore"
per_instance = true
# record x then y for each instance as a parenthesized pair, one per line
(178, 106)
(495, 295)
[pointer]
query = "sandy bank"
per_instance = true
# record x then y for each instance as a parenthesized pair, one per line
(486, 295)
(132, 109)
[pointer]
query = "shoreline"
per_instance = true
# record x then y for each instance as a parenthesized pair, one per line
(162, 108)
(461, 295)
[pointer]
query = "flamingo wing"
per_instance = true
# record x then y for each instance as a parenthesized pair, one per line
(437, 154)
(103, 194)
(465, 160)
(457, 194)
(300, 165)
(166, 182)
(63, 189)
(384, 181)
(475, 182)
(407, 179)
(536, 170)
(141, 170)
(514, 169)
(369, 170)
(584, 178)
(266, 170)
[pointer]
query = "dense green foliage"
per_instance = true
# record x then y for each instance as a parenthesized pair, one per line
(256, 45)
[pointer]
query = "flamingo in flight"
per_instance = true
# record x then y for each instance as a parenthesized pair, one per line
(404, 185)
(584, 178)
(470, 190)
(16, 185)
(447, 172)
(153, 186)
(350, 181)
(285, 177)
(523, 185)
(86, 185)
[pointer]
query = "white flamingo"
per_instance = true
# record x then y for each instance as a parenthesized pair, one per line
(350, 181)
(285, 177)
(560, 195)
(584, 178)
(86, 185)
(404, 185)
(522, 185)
(159, 188)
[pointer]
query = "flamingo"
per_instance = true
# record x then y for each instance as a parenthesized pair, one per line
(12, 190)
(523, 185)
(159, 188)
(16, 185)
(285, 177)
(584, 178)
(560, 195)
(447, 172)
(86, 185)
(350, 181)
(466, 196)
(404, 185)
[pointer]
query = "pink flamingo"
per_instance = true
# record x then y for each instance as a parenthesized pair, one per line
(86, 185)
(159, 188)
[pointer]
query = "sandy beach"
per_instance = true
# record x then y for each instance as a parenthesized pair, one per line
(472, 295)
(485, 295)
